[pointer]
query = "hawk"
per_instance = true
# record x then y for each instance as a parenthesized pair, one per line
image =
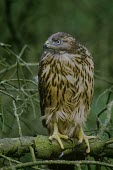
(66, 82)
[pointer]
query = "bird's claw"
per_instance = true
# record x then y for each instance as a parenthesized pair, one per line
(82, 137)
(58, 137)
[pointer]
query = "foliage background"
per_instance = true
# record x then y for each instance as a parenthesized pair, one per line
(32, 22)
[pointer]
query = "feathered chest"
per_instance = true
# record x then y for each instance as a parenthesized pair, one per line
(65, 77)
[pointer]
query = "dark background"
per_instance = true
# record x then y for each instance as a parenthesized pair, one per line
(32, 22)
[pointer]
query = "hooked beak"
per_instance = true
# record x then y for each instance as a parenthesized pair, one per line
(46, 45)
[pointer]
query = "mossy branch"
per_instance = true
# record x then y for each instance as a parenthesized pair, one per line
(44, 149)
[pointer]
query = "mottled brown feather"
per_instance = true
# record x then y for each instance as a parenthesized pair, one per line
(65, 84)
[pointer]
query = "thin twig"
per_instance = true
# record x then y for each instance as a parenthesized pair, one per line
(33, 156)
(9, 159)
(17, 118)
(26, 90)
(7, 94)
(14, 65)
(59, 162)
(4, 45)
(103, 79)
(107, 120)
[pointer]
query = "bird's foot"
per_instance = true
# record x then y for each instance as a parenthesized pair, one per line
(82, 137)
(56, 135)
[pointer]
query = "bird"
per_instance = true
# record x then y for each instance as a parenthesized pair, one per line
(66, 87)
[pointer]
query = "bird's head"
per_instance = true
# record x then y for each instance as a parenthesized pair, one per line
(61, 42)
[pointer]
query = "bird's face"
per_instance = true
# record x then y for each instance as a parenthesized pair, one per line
(60, 42)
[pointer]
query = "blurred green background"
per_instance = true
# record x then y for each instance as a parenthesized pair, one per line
(32, 22)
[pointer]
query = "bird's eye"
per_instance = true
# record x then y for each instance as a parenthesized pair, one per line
(58, 42)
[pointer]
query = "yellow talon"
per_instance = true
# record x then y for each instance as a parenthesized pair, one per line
(82, 136)
(56, 135)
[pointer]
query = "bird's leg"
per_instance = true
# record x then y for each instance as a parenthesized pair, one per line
(82, 136)
(56, 135)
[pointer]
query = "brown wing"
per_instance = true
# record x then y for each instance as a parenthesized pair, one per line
(41, 88)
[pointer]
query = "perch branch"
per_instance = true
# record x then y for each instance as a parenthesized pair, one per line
(44, 149)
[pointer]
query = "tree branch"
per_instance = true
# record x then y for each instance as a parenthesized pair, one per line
(59, 162)
(44, 149)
